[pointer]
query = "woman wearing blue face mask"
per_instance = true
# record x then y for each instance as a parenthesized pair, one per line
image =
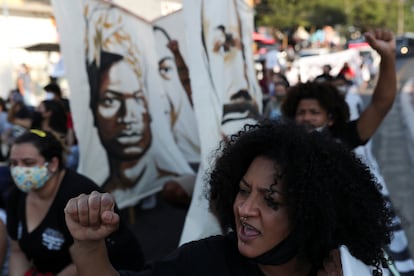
(40, 241)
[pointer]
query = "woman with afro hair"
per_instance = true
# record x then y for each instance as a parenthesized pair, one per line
(322, 107)
(288, 201)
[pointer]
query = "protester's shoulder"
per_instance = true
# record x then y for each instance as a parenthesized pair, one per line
(203, 249)
(215, 255)
(202, 257)
(212, 243)
(220, 250)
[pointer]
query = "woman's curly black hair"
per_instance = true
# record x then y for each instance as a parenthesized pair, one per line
(331, 195)
(328, 96)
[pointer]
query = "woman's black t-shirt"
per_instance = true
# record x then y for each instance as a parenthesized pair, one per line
(48, 244)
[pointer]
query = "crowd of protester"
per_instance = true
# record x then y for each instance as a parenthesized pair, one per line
(41, 139)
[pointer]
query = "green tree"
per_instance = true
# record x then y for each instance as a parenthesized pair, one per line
(370, 14)
(326, 15)
(281, 14)
(358, 14)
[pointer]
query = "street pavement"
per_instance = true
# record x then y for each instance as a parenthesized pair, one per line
(393, 146)
(159, 229)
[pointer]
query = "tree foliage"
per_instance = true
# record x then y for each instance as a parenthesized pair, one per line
(397, 15)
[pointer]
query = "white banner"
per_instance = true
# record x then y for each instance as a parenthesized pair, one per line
(125, 141)
(310, 67)
(226, 94)
(174, 72)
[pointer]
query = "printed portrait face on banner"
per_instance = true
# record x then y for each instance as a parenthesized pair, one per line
(121, 113)
(126, 143)
(117, 95)
(168, 73)
(224, 85)
(174, 72)
(224, 46)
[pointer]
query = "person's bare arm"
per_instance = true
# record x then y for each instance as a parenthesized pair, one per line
(386, 88)
(90, 218)
(18, 263)
(92, 252)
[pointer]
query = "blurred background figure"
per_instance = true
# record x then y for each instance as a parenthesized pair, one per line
(347, 74)
(51, 116)
(4, 241)
(25, 86)
(54, 92)
(272, 109)
(5, 128)
(272, 65)
(326, 74)
(19, 116)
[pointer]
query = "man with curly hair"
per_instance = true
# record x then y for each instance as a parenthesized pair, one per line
(288, 201)
(321, 106)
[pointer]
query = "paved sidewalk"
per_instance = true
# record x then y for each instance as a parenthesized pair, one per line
(407, 109)
(393, 148)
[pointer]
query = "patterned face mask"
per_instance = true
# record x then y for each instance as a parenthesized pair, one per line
(30, 178)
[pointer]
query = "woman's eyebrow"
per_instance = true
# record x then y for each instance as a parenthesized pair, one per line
(245, 182)
(262, 190)
(271, 189)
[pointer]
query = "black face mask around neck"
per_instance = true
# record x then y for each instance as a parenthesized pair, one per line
(280, 253)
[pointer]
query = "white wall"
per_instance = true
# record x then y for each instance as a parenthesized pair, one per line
(19, 32)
